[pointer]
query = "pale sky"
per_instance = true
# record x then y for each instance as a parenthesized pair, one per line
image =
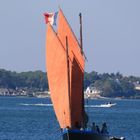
(111, 33)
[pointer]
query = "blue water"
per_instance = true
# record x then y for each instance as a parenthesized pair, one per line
(25, 119)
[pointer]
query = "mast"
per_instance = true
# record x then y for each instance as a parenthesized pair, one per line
(68, 73)
(81, 36)
(85, 117)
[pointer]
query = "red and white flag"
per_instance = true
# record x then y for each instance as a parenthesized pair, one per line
(51, 18)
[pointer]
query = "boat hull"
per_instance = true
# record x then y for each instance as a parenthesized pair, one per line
(83, 135)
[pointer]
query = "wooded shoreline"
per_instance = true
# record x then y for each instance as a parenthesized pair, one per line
(111, 85)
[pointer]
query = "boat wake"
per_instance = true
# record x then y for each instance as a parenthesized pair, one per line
(87, 106)
(40, 104)
(102, 105)
(91, 106)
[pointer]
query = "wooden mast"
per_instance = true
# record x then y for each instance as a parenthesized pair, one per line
(68, 74)
(85, 117)
(81, 37)
(81, 45)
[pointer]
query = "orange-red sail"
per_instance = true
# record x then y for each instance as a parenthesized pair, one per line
(57, 76)
(76, 69)
(67, 103)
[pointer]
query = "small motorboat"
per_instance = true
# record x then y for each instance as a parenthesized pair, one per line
(109, 104)
(116, 138)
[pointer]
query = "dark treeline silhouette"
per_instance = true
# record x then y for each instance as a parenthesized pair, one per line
(111, 85)
(32, 80)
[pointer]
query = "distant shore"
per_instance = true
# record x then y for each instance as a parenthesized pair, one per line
(35, 83)
(85, 97)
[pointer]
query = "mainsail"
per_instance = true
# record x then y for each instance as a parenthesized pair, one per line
(66, 88)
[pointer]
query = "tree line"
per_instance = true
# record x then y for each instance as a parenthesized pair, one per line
(111, 85)
(114, 84)
(30, 80)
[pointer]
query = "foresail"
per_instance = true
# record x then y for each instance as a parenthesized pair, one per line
(57, 77)
(76, 70)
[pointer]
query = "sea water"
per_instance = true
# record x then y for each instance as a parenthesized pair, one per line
(23, 118)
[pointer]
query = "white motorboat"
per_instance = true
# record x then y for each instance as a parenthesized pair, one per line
(109, 104)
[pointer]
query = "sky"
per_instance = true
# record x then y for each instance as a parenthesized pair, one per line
(111, 33)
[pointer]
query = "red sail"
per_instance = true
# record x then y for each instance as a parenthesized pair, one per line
(68, 106)
(57, 77)
(76, 69)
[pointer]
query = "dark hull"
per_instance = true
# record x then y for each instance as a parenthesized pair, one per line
(83, 135)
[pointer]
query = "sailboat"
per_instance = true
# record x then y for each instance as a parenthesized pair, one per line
(65, 63)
